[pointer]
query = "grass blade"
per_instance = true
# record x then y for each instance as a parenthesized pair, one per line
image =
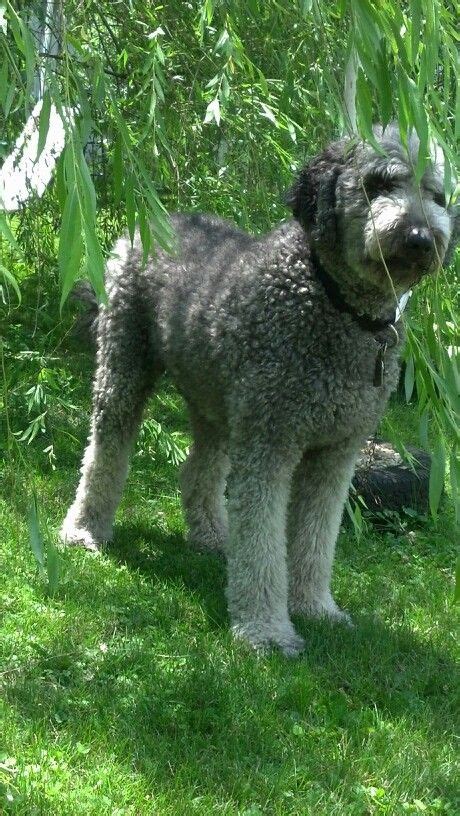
(35, 536)
(52, 568)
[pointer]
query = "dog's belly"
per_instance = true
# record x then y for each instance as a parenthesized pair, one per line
(203, 392)
(200, 373)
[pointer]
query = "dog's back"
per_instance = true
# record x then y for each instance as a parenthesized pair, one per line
(186, 301)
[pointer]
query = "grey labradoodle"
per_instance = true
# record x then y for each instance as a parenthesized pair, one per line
(285, 348)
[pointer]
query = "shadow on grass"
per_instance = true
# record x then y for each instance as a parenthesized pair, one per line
(166, 557)
(178, 704)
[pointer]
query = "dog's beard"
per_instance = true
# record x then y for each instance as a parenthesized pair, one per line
(404, 273)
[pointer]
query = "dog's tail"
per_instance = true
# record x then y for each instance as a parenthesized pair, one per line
(86, 323)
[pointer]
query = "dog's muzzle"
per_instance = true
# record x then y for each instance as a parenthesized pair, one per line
(420, 243)
(416, 256)
(421, 251)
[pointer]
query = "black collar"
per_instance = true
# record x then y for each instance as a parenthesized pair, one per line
(334, 294)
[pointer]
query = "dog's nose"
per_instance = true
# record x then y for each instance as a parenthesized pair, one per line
(420, 240)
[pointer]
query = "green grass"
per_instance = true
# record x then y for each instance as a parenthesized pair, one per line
(124, 694)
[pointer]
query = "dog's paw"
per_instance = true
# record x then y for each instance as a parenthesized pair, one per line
(76, 535)
(321, 609)
(264, 636)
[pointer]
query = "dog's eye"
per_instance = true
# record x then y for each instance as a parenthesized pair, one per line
(439, 199)
(377, 186)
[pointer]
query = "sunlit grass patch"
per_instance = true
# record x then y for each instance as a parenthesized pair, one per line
(124, 693)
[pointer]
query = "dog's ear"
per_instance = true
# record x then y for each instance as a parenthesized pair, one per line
(312, 196)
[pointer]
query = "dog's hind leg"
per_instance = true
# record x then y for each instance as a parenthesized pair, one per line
(319, 490)
(121, 386)
(202, 480)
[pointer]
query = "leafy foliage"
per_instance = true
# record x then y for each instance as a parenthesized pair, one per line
(44, 551)
(211, 105)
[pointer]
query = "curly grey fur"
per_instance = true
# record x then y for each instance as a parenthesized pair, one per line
(279, 383)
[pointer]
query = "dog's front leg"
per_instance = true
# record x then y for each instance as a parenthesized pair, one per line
(319, 490)
(257, 592)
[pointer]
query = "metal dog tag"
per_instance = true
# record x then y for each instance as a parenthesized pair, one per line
(379, 370)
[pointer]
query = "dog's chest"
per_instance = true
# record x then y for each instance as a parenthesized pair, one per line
(348, 396)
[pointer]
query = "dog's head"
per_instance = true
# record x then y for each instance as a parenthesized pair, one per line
(365, 210)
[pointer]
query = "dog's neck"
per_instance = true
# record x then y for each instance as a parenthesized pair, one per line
(365, 304)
